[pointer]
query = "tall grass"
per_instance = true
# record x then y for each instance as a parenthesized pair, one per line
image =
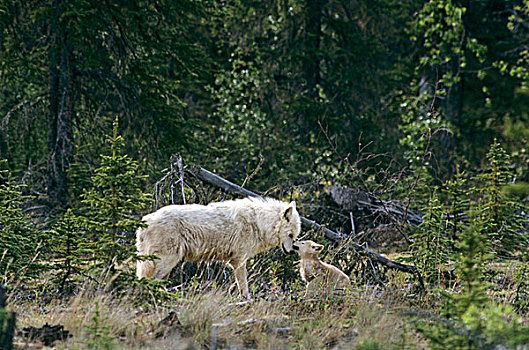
(216, 319)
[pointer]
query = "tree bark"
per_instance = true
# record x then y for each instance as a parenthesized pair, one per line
(451, 106)
(313, 42)
(60, 132)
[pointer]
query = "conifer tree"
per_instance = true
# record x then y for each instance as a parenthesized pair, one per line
(113, 205)
(70, 258)
(20, 244)
(472, 320)
(473, 257)
(458, 202)
(430, 252)
(503, 225)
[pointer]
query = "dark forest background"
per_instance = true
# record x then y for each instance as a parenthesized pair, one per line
(303, 85)
(420, 109)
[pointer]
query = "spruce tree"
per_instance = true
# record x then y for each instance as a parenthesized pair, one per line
(21, 245)
(113, 207)
(457, 193)
(486, 323)
(70, 258)
(430, 252)
(474, 254)
(504, 225)
(470, 320)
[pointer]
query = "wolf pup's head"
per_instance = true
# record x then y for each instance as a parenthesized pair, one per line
(290, 228)
(307, 247)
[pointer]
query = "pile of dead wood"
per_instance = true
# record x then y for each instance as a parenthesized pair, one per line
(46, 334)
(377, 222)
(174, 181)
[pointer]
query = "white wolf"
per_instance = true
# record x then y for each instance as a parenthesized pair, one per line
(230, 231)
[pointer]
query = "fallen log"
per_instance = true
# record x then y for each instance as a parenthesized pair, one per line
(215, 180)
(352, 199)
(46, 334)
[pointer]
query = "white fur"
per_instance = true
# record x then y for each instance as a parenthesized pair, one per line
(230, 231)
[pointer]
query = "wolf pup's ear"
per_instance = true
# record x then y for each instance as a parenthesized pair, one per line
(289, 211)
(317, 247)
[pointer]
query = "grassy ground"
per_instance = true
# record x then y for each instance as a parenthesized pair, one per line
(203, 316)
(365, 318)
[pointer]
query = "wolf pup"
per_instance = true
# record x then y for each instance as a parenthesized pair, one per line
(230, 231)
(321, 278)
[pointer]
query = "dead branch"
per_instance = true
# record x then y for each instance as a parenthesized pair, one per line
(215, 180)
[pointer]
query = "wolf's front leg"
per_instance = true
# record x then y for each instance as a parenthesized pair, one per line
(241, 276)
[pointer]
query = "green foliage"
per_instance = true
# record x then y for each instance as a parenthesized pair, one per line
(112, 206)
(504, 224)
(294, 76)
(497, 325)
(440, 28)
(21, 244)
(478, 223)
(242, 123)
(430, 251)
(98, 332)
(473, 321)
(418, 126)
(130, 58)
(395, 98)
(79, 175)
(450, 57)
(457, 193)
(69, 256)
(474, 254)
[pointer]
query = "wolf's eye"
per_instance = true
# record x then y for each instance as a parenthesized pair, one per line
(291, 236)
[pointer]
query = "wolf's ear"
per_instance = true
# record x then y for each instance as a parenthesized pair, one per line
(317, 247)
(288, 212)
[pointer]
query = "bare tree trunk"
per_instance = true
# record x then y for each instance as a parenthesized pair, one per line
(313, 43)
(60, 131)
(451, 106)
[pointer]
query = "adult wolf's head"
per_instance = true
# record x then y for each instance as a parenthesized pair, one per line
(290, 227)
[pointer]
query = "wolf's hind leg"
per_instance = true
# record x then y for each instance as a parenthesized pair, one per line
(165, 265)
